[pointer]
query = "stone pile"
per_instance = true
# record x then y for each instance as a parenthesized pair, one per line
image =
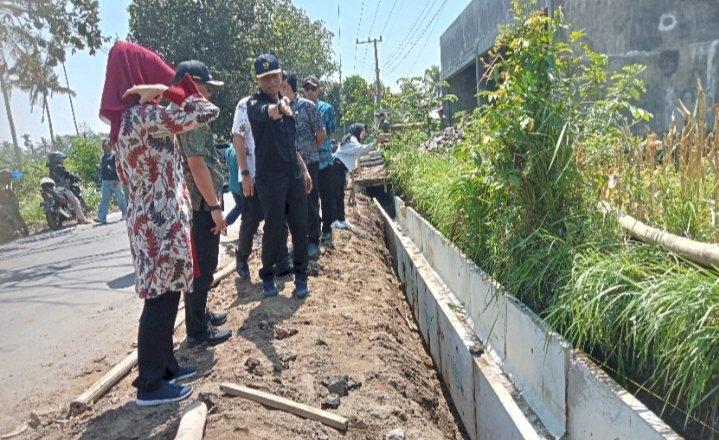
(444, 141)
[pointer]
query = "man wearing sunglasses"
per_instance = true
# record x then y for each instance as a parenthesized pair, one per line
(313, 89)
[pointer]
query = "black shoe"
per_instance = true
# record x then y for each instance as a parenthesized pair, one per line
(216, 318)
(313, 251)
(213, 336)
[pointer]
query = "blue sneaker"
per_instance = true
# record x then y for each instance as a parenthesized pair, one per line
(270, 289)
(182, 374)
(167, 393)
(243, 270)
(301, 290)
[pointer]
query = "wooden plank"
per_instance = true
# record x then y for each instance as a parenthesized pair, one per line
(192, 424)
(277, 402)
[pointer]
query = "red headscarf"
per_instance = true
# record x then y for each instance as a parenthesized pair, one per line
(129, 64)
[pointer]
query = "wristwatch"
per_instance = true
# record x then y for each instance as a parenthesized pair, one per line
(245, 172)
(215, 208)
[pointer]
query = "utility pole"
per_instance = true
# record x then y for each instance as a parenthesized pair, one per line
(378, 85)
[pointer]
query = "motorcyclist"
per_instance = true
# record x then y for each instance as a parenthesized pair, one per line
(9, 204)
(64, 181)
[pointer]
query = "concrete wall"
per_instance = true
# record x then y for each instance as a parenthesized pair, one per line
(485, 399)
(569, 394)
(677, 41)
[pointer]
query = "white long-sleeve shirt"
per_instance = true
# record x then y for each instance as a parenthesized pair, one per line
(350, 151)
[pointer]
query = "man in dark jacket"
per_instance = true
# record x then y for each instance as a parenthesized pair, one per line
(110, 184)
(281, 178)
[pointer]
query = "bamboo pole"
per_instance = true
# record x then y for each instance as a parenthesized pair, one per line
(192, 424)
(283, 404)
(706, 254)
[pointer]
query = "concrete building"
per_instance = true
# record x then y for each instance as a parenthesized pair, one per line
(677, 41)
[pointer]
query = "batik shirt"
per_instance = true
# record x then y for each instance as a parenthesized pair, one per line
(241, 126)
(330, 121)
(308, 122)
(158, 205)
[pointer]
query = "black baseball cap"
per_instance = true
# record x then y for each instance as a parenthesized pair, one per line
(267, 64)
(197, 70)
(311, 80)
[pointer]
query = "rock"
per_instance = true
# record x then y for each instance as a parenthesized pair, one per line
(395, 434)
(320, 342)
(337, 385)
(283, 333)
(288, 356)
(34, 420)
(444, 141)
(331, 402)
(353, 384)
(252, 365)
(341, 385)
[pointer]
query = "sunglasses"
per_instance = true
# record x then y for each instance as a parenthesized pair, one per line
(309, 88)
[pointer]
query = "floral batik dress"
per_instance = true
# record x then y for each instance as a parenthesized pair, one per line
(159, 211)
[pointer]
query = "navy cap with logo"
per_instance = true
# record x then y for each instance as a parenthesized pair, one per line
(197, 70)
(267, 64)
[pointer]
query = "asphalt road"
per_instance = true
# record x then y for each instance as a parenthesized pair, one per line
(68, 308)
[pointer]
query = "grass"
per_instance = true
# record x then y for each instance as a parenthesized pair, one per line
(652, 315)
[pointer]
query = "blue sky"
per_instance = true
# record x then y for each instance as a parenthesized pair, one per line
(410, 31)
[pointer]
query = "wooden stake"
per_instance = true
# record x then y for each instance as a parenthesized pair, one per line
(192, 424)
(283, 404)
(100, 387)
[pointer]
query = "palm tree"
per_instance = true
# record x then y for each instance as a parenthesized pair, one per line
(4, 87)
(47, 27)
(40, 82)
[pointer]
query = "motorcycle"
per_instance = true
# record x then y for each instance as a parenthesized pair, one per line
(10, 211)
(55, 204)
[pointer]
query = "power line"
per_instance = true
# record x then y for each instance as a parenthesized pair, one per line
(426, 40)
(424, 31)
(359, 24)
(411, 39)
(413, 30)
(388, 17)
(371, 28)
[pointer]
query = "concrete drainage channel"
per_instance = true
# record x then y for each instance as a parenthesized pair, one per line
(507, 375)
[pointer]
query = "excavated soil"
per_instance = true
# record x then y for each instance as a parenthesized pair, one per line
(355, 323)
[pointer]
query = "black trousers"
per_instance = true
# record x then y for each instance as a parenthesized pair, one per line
(155, 358)
(313, 205)
(252, 215)
(284, 203)
(207, 249)
(339, 178)
(327, 198)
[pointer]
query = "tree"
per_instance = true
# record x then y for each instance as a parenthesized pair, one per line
(43, 29)
(356, 96)
(418, 97)
(227, 35)
(40, 82)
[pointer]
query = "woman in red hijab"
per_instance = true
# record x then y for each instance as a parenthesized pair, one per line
(158, 205)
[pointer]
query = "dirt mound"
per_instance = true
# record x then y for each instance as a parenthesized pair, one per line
(353, 335)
